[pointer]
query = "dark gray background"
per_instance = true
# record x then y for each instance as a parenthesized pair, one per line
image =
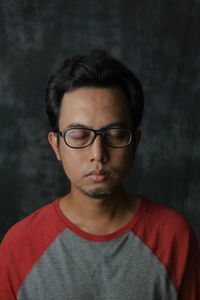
(158, 40)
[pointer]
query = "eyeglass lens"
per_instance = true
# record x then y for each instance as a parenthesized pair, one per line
(115, 137)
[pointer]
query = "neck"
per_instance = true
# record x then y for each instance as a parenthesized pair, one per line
(85, 211)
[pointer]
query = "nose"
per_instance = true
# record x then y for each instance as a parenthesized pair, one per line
(98, 150)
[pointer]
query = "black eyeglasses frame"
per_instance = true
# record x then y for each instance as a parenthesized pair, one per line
(100, 132)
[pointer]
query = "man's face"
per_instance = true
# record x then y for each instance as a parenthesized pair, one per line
(94, 108)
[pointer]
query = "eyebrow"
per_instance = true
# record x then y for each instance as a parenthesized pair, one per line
(111, 125)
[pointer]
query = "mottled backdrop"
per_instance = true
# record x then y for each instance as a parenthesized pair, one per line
(158, 40)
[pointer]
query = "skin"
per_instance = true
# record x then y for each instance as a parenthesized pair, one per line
(95, 108)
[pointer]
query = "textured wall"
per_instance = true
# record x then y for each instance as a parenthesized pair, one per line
(158, 40)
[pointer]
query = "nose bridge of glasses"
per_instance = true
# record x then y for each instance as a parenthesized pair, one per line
(98, 133)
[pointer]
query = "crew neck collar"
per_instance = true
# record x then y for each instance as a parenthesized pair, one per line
(106, 237)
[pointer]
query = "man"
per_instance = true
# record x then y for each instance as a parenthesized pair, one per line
(98, 241)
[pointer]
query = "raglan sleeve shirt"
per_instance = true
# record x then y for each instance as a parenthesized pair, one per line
(22, 247)
(178, 250)
(163, 232)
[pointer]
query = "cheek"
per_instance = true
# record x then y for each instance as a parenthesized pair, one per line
(70, 161)
(123, 160)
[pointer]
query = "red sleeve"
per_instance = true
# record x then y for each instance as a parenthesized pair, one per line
(189, 287)
(6, 278)
(172, 240)
(23, 245)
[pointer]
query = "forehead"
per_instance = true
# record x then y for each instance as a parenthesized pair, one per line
(94, 107)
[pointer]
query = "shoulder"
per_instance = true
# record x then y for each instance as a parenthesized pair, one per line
(170, 237)
(164, 219)
(164, 229)
(27, 224)
(32, 228)
(26, 241)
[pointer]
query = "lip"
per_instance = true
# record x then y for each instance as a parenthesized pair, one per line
(97, 172)
(98, 175)
(97, 178)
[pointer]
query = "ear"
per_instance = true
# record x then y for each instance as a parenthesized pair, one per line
(53, 140)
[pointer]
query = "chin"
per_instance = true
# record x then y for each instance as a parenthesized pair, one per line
(98, 193)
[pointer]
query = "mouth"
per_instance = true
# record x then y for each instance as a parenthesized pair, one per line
(98, 176)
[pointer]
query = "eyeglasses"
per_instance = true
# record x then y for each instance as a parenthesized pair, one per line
(83, 137)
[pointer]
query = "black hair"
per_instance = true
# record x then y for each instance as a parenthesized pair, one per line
(96, 69)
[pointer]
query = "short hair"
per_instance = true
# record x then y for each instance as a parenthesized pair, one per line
(96, 69)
